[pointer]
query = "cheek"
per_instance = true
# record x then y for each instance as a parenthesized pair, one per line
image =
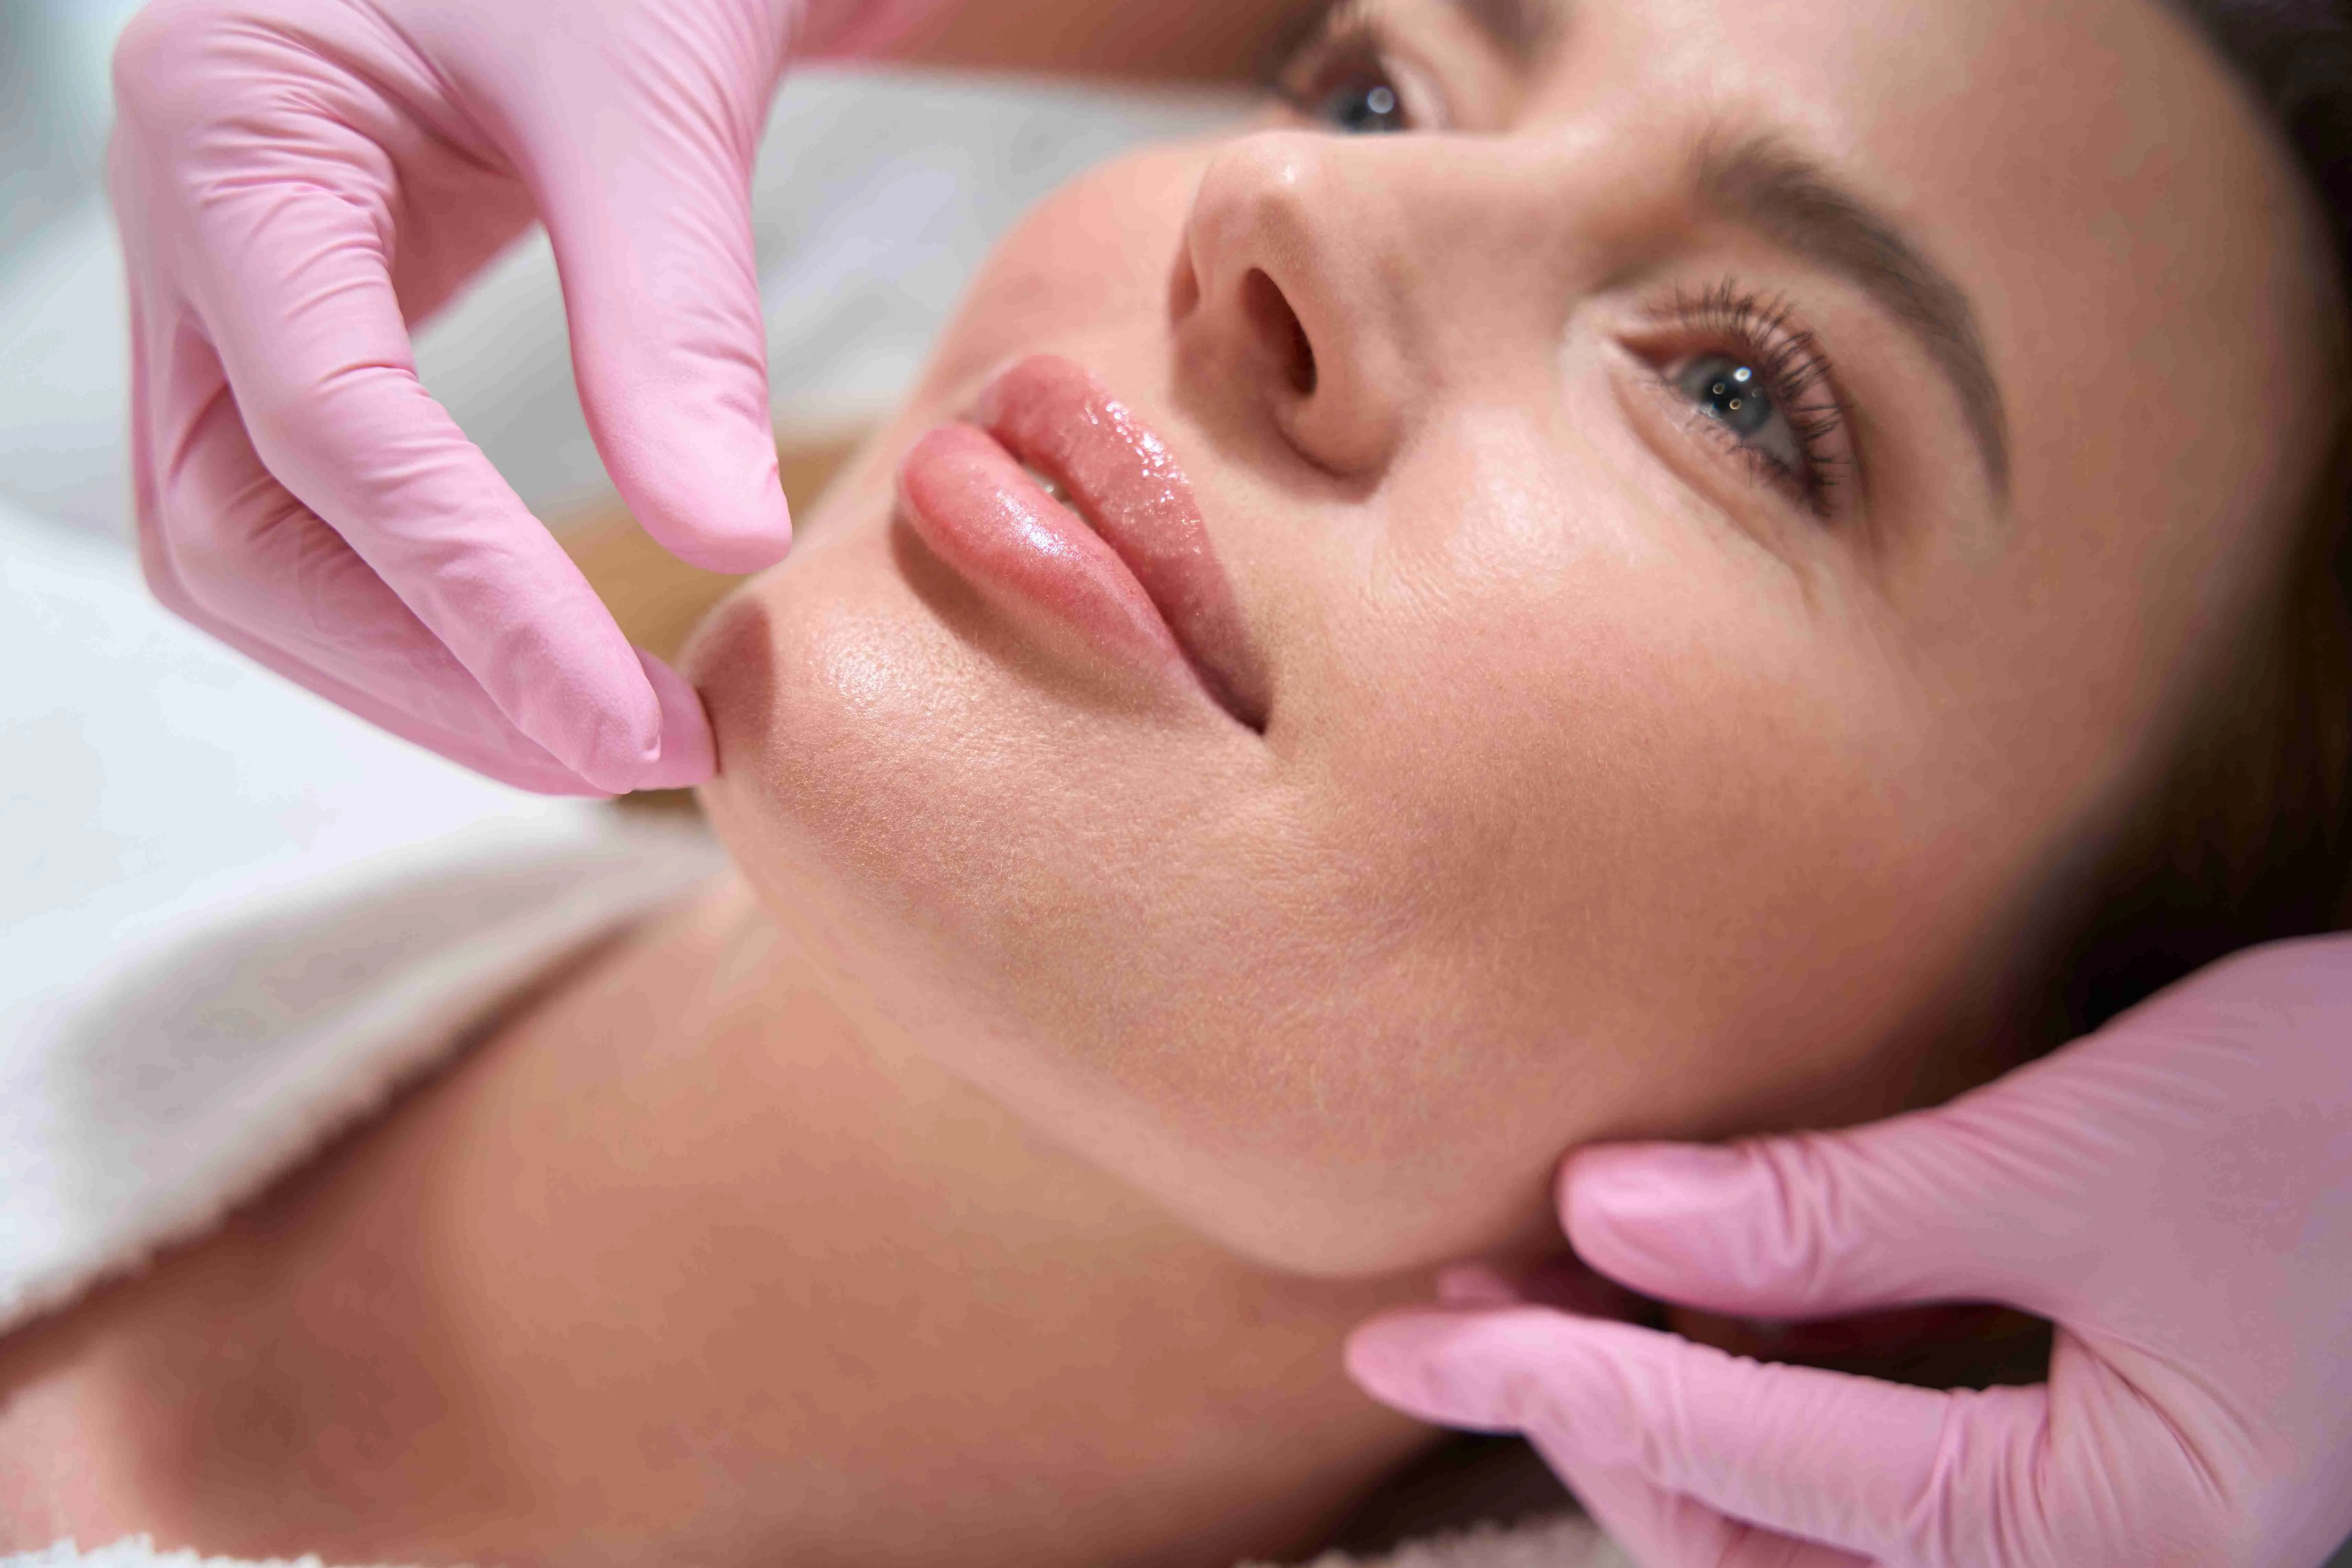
(892, 759)
(1565, 805)
(1693, 850)
(1551, 831)
(1202, 968)
(1096, 255)
(994, 851)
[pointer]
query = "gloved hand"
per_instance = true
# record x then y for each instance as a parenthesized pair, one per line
(297, 181)
(2174, 1192)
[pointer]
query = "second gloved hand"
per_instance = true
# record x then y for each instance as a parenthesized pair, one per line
(2174, 1192)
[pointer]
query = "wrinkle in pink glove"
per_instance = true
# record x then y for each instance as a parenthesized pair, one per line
(297, 182)
(2175, 1193)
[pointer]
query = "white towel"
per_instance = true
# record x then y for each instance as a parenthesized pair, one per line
(140, 1105)
(138, 1551)
(1554, 1540)
(1561, 1540)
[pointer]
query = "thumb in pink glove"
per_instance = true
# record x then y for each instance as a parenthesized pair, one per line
(298, 181)
(2175, 1193)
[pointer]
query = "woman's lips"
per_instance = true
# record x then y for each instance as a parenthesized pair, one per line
(1127, 563)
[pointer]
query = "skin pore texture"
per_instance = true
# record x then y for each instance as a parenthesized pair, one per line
(1001, 1157)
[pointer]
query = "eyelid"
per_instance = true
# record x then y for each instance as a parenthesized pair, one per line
(1354, 27)
(1732, 319)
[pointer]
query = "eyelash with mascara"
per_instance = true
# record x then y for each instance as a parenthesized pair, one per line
(1760, 331)
(1356, 43)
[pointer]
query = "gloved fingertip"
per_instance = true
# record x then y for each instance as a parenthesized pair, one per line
(608, 764)
(717, 503)
(1388, 1359)
(540, 774)
(750, 534)
(1638, 1182)
(688, 756)
(1430, 1365)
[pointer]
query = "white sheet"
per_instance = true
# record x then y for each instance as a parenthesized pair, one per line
(1565, 1541)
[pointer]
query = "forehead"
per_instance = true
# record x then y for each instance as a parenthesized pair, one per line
(2139, 253)
(2145, 267)
(1978, 119)
(2088, 170)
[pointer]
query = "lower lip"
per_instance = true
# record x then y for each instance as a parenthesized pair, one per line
(981, 513)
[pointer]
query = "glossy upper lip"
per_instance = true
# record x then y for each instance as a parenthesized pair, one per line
(1125, 486)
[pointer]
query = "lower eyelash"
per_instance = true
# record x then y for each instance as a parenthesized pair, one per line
(1761, 331)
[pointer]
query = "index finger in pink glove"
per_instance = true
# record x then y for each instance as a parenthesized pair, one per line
(298, 180)
(1894, 1474)
(636, 133)
(2173, 1191)
(327, 611)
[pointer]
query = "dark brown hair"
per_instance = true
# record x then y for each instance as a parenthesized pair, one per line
(2246, 839)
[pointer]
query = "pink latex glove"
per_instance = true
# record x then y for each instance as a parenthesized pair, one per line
(298, 181)
(2175, 1193)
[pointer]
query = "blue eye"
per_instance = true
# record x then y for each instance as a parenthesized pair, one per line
(1366, 108)
(1764, 389)
(1728, 391)
(1735, 394)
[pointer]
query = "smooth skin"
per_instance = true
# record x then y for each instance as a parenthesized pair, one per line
(1606, 786)
(1610, 789)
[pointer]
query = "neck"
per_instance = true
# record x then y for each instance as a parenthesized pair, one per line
(683, 1260)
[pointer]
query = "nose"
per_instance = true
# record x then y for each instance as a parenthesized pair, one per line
(1288, 291)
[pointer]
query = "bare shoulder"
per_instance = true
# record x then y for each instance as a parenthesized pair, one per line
(225, 1397)
(119, 1411)
(55, 1471)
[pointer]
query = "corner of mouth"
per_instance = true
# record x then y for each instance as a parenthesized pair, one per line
(1092, 454)
(1243, 708)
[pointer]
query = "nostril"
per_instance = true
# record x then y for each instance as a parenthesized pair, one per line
(1279, 326)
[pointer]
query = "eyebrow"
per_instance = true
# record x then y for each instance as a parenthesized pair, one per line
(1521, 29)
(1797, 202)
(1766, 185)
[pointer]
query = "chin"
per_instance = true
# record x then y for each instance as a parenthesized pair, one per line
(1113, 921)
(816, 687)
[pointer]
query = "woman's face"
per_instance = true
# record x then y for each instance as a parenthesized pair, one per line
(1697, 512)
